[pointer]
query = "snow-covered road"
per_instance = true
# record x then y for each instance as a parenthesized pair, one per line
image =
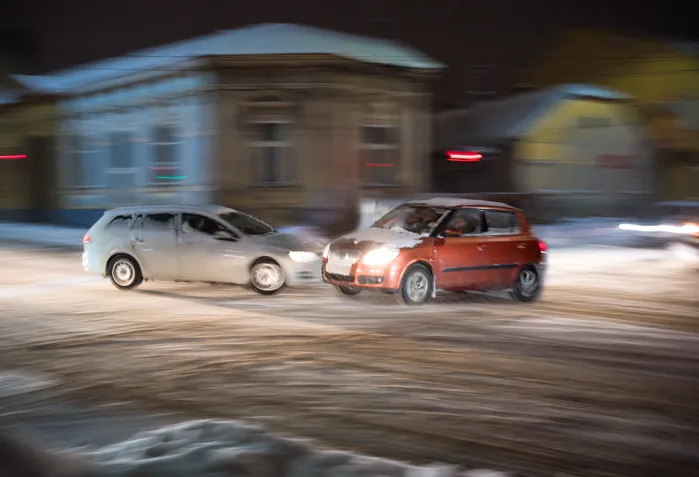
(600, 378)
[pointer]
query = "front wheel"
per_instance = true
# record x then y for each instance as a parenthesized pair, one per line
(267, 277)
(528, 286)
(125, 273)
(417, 285)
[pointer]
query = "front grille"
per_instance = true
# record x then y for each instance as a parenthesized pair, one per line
(339, 278)
(344, 255)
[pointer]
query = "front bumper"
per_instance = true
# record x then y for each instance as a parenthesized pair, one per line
(302, 274)
(386, 277)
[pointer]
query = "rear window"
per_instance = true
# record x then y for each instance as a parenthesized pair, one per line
(120, 222)
(502, 223)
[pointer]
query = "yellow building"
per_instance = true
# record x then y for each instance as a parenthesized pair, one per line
(662, 77)
(578, 149)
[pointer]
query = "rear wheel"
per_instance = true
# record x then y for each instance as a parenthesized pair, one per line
(267, 277)
(417, 285)
(124, 272)
(528, 286)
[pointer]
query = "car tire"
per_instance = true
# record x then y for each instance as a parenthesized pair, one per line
(348, 291)
(527, 287)
(417, 285)
(267, 277)
(124, 272)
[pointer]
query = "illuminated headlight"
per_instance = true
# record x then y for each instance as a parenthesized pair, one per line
(692, 229)
(380, 256)
(303, 257)
(326, 251)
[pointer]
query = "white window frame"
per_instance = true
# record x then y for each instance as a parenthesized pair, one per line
(133, 170)
(257, 147)
(177, 163)
(380, 147)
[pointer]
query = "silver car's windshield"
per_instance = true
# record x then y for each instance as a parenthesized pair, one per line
(245, 223)
(418, 219)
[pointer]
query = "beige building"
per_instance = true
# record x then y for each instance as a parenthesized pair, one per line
(275, 119)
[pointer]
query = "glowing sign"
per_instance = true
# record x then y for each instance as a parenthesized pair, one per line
(457, 156)
(13, 158)
(171, 178)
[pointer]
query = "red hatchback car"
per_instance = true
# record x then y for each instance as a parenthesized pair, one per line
(440, 244)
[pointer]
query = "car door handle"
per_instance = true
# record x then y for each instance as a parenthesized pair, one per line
(480, 248)
(138, 239)
(522, 245)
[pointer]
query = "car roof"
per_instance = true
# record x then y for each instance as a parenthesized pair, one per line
(455, 202)
(208, 208)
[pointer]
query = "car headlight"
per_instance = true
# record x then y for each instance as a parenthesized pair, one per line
(691, 228)
(326, 251)
(380, 256)
(303, 257)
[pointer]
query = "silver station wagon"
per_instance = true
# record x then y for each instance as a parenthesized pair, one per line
(197, 244)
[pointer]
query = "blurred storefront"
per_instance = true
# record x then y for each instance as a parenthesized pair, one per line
(661, 76)
(266, 119)
(570, 149)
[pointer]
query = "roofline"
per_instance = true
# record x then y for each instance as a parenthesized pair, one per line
(476, 204)
(301, 60)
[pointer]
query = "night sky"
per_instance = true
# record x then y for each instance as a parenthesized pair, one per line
(462, 33)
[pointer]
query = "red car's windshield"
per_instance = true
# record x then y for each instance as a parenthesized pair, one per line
(417, 219)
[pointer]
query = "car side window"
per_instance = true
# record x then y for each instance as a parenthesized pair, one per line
(467, 221)
(502, 223)
(162, 222)
(120, 222)
(198, 224)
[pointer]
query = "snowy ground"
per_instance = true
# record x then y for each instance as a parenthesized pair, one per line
(599, 378)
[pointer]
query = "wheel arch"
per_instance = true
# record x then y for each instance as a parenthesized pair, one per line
(120, 253)
(425, 263)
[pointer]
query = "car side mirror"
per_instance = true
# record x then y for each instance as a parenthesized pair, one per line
(451, 232)
(224, 236)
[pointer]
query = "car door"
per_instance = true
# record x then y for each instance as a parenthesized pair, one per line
(210, 251)
(462, 259)
(154, 240)
(507, 248)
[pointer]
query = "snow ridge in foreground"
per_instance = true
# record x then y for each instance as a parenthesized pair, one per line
(227, 448)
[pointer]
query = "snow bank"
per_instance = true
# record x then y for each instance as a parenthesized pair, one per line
(42, 234)
(228, 448)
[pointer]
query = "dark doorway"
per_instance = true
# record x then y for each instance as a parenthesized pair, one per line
(40, 171)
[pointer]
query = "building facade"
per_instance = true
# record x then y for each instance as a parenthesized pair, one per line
(662, 78)
(571, 149)
(272, 119)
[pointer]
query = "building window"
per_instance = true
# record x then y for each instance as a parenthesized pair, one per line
(74, 165)
(121, 169)
(165, 167)
(379, 155)
(272, 153)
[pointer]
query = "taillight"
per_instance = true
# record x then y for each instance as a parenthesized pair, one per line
(87, 239)
(542, 246)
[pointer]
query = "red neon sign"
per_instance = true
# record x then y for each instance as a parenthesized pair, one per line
(12, 158)
(456, 156)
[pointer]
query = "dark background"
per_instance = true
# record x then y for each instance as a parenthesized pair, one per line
(483, 42)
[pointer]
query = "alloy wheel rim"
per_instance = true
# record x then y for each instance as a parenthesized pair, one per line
(268, 277)
(417, 287)
(123, 273)
(528, 283)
